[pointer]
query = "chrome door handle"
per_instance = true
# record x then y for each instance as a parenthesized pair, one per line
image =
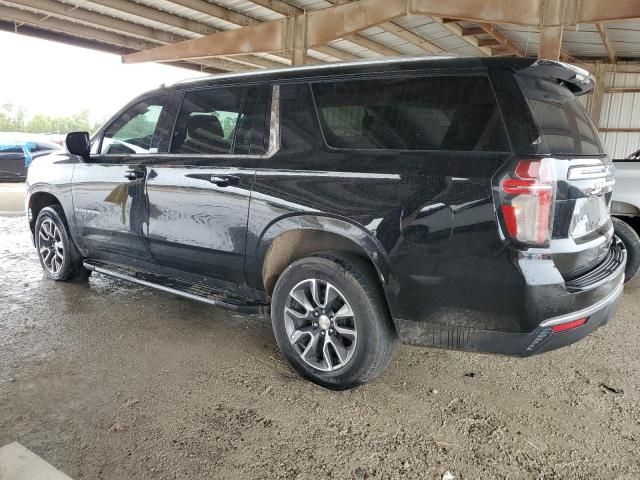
(133, 174)
(224, 180)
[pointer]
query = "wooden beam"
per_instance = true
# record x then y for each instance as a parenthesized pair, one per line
(530, 12)
(335, 22)
(472, 40)
(520, 12)
(488, 42)
(148, 13)
(217, 11)
(472, 31)
(320, 27)
(411, 37)
(190, 27)
(91, 19)
(263, 37)
(620, 130)
(611, 53)
(286, 9)
(401, 32)
(551, 42)
(595, 105)
(504, 41)
(79, 30)
(594, 11)
(622, 90)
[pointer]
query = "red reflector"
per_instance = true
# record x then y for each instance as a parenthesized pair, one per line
(562, 327)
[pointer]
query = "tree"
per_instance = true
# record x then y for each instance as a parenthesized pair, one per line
(13, 119)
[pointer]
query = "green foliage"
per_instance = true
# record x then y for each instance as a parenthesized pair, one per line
(14, 119)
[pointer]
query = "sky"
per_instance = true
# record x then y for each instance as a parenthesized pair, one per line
(58, 79)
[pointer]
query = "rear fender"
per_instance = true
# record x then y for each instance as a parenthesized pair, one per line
(344, 233)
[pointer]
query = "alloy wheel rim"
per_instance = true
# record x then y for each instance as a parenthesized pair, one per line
(50, 246)
(320, 325)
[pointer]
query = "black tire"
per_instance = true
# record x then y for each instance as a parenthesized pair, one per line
(70, 267)
(358, 284)
(631, 241)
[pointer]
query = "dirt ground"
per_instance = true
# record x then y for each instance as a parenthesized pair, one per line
(111, 380)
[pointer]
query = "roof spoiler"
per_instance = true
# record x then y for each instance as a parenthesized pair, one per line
(576, 79)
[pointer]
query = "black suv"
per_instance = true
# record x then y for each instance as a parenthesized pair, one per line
(457, 203)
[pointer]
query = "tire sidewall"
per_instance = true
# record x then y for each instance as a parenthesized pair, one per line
(366, 315)
(53, 215)
(631, 241)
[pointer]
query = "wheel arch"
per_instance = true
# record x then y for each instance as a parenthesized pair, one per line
(624, 209)
(36, 202)
(295, 237)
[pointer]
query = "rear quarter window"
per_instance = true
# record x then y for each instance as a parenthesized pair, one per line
(564, 126)
(422, 113)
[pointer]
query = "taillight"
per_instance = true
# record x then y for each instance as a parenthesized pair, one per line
(526, 200)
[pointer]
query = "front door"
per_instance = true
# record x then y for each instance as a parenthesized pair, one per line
(199, 193)
(109, 198)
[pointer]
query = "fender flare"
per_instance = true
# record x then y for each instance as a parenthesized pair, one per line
(355, 233)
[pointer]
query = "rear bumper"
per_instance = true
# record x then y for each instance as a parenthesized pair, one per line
(598, 304)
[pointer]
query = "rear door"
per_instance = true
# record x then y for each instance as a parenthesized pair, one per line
(109, 196)
(199, 193)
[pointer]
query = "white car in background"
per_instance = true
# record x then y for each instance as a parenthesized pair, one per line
(625, 209)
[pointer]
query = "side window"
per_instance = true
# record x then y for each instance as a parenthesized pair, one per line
(252, 135)
(299, 130)
(137, 130)
(563, 122)
(207, 121)
(428, 113)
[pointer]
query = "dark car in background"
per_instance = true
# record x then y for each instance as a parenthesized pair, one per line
(454, 203)
(17, 151)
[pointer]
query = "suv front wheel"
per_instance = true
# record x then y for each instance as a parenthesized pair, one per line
(58, 254)
(331, 321)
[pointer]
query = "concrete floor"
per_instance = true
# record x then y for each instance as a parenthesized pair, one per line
(116, 381)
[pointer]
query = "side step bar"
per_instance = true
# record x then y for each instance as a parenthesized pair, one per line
(183, 288)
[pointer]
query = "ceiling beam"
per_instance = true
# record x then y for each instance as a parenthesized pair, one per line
(521, 12)
(133, 8)
(295, 34)
(530, 12)
(58, 25)
(458, 31)
(218, 11)
(411, 37)
(551, 42)
(284, 8)
(291, 34)
(606, 41)
(401, 32)
(60, 37)
(503, 41)
(90, 18)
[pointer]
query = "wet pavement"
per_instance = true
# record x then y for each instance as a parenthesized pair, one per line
(112, 380)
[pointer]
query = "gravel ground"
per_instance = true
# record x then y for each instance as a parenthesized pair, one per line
(112, 380)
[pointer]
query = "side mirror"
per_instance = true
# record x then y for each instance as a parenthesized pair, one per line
(77, 143)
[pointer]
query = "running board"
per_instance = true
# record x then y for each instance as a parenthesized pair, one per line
(194, 291)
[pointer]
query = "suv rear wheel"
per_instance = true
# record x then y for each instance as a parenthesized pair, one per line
(331, 321)
(629, 237)
(58, 255)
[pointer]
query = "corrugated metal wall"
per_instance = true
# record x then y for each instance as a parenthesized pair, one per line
(621, 110)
